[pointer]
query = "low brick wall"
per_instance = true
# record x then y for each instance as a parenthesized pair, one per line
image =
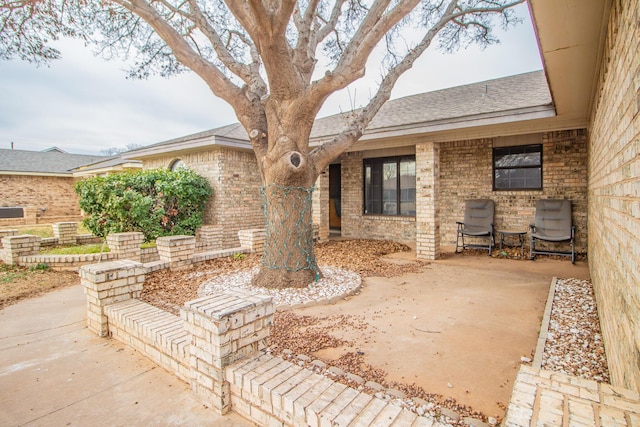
(271, 391)
(215, 345)
(7, 233)
(65, 232)
(252, 239)
(158, 335)
(176, 250)
(126, 245)
(149, 254)
(171, 252)
(66, 262)
(14, 247)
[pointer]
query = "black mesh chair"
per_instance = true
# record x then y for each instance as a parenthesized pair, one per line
(552, 225)
(478, 223)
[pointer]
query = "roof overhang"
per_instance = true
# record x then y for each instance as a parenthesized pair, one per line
(81, 173)
(187, 146)
(479, 126)
(571, 35)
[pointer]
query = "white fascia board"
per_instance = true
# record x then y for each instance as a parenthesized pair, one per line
(192, 145)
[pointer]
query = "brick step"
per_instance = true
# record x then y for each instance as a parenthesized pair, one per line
(159, 335)
(542, 397)
(275, 392)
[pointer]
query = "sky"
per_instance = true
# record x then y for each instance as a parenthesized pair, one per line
(84, 104)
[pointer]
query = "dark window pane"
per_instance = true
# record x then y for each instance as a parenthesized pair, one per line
(518, 168)
(390, 186)
(408, 187)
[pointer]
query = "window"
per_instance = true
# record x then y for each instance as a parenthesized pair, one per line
(517, 168)
(390, 186)
(177, 165)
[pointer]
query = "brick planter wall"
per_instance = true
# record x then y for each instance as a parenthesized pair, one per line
(126, 245)
(14, 247)
(224, 328)
(106, 284)
(176, 250)
(65, 232)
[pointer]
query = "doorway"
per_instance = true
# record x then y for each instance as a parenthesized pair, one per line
(335, 195)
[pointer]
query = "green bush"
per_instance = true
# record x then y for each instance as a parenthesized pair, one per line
(154, 202)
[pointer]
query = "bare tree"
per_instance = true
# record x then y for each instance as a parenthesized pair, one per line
(113, 151)
(262, 57)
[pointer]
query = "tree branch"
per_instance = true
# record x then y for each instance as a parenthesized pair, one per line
(325, 154)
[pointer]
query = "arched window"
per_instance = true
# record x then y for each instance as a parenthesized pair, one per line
(177, 165)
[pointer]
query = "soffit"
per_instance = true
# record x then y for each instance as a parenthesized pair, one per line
(570, 37)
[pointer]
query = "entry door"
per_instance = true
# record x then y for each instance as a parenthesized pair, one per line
(334, 197)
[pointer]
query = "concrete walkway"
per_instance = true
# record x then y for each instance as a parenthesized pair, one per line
(54, 372)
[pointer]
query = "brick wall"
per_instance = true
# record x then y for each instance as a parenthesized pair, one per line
(236, 203)
(466, 173)
(614, 195)
(55, 194)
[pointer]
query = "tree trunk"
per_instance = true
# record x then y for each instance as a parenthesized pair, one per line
(288, 260)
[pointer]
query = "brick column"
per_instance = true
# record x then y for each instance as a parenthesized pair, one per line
(224, 328)
(16, 246)
(176, 250)
(30, 215)
(210, 236)
(108, 283)
(126, 245)
(5, 233)
(427, 190)
(65, 232)
(252, 239)
(320, 202)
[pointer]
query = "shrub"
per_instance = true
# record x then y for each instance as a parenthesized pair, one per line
(155, 202)
(41, 266)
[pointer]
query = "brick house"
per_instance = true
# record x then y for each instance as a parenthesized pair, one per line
(37, 187)
(579, 120)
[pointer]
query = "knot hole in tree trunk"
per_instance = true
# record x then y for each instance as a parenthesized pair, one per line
(295, 159)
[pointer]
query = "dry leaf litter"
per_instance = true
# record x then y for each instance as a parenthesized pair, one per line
(574, 344)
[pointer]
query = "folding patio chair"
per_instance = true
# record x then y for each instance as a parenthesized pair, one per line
(478, 223)
(552, 225)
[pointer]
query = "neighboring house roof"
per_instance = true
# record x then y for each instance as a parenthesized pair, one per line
(521, 97)
(52, 162)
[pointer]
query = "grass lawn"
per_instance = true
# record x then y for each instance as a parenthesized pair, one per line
(76, 250)
(44, 230)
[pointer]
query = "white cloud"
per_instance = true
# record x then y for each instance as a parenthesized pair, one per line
(84, 104)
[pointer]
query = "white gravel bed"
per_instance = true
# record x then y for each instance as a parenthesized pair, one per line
(335, 284)
(574, 343)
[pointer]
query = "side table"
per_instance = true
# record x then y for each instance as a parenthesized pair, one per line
(513, 233)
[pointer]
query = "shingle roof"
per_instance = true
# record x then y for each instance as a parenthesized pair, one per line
(45, 162)
(232, 131)
(492, 96)
(501, 96)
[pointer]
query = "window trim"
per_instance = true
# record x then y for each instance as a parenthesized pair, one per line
(381, 161)
(522, 149)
